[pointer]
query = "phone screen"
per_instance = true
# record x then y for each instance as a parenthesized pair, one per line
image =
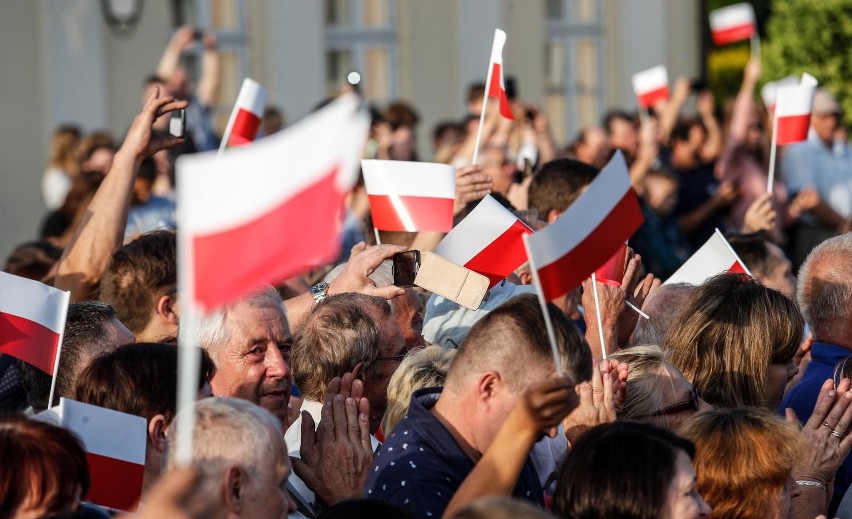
(405, 267)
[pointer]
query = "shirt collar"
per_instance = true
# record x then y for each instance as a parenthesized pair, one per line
(828, 353)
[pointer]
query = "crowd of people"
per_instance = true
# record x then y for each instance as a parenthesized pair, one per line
(731, 399)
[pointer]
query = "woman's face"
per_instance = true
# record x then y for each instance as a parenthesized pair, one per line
(776, 381)
(682, 499)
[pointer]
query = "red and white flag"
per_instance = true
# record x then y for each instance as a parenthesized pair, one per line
(245, 118)
(732, 23)
(410, 196)
(793, 110)
(494, 82)
(489, 240)
(115, 450)
(587, 234)
(651, 86)
(612, 272)
(32, 319)
(769, 92)
(714, 257)
(263, 213)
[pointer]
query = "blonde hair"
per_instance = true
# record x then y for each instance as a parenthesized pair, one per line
(645, 363)
(423, 368)
(728, 333)
(744, 457)
(63, 149)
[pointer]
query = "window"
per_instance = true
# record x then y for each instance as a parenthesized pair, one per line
(573, 53)
(361, 37)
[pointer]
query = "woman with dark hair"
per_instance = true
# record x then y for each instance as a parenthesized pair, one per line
(629, 470)
(736, 342)
(43, 469)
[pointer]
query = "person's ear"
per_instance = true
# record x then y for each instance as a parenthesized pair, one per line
(488, 386)
(167, 308)
(157, 432)
(234, 490)
(358, 371)
(552, 216)
(526, 277)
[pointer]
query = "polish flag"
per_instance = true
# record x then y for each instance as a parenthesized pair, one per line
(263, 213)
(410, 196)
(115, 450)
(495, 85)
(769, 92)
(714, 257)
(488, 241)
(651, 86)
(793, 111)
(732, 23)
(612, 272)
(587, 234)
(245, 118)
(32, 320)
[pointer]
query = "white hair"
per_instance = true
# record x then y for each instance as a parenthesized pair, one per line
(825, 284)
(212, 332)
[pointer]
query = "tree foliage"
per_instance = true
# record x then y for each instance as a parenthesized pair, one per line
(813, 36)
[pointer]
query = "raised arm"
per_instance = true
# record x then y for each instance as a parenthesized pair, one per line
(744, 102)
(713, 145)
(671, 111)
(101, 231)
(208, 86)
(170, 60)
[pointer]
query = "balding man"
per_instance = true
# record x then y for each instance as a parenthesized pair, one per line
(250, 343)
(435, 446)
(239, 451)
(661, 308)
(824, 295)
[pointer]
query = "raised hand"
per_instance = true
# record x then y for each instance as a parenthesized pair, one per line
(141, 141)
(760, 215)
(362, 263)
(471, 184)
(598, 401)
(543, 406)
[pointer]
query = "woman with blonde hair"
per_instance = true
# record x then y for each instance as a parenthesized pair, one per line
(62, 167)
(657, 392)
(736, 340)
(426, 367)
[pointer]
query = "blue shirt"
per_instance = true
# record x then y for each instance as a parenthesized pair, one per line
(828, 171)
(802, 399)
(420, 466)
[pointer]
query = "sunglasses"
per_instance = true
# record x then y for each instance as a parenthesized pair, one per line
(690, 404)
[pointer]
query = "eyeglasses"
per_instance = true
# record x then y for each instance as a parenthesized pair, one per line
(690, 404)
(396, 358)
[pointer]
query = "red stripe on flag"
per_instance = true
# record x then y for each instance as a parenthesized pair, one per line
(244, 129)
(496, 91)
(570, 270)
(301, 232)
(114, 483)
(652, 97)
(502, 256)
(736, 268)
(733, 34)
(29, 341)
(612, 272)
(793, 128)
(427, 213)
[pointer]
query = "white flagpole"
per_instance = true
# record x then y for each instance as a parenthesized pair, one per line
(772, 150)
(488, 80)
(636, 309)
(551, 335)
(378, 237)
(62, 319)
(228, 128)
(598, 314)
(728, 245)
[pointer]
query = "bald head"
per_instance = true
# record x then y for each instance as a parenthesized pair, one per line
(825, 291)
(661, 307)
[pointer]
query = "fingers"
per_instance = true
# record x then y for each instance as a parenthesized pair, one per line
(346, 385)
(353, 428)
(386, 292)
(333, 387)
(790, 417)
(357, 389)
(325, 432)
(630, 274)
(309, 435)
(338, 407)
(823, 404)
(364, 424)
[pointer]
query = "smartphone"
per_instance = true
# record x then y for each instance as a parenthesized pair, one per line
(177, 123)
(697, 85)
(197, 34)
(405, 267)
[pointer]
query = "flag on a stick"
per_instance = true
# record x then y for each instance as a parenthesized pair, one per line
(32, 320)
(769, 92)
(489, 240)
(245, 118)
(793, 111)
(716, 256)
(651, 86)
(732, 23)
(410, 196)
(612, 272)
(495, 84)
(587, 234)
(115, 450)
(263, 213)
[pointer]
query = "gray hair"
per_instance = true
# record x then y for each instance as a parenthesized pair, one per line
(825, 285)
(643, 377)
(212, 332)
(229, 432)
(662, 309)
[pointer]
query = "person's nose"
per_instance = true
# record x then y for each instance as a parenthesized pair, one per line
(276, 364)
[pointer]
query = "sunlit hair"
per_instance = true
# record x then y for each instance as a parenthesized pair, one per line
(744, 457)
(622, 469)
(63, 149)
(646, 364)
(824, 292)
(728, 333)
(423, 368)
(42, 466)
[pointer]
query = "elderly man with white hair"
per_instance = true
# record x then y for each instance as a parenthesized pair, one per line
(239, 451)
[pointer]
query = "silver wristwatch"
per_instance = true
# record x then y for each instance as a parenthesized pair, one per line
(319, 292)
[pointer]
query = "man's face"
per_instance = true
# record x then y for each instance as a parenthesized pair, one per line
(595, 148)
(502, 171)
(408, 313)
(623, 136)
(376, 389)
(824, 125)
(780, 277)
(661, 194)
(254, 361)
(268, 496)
